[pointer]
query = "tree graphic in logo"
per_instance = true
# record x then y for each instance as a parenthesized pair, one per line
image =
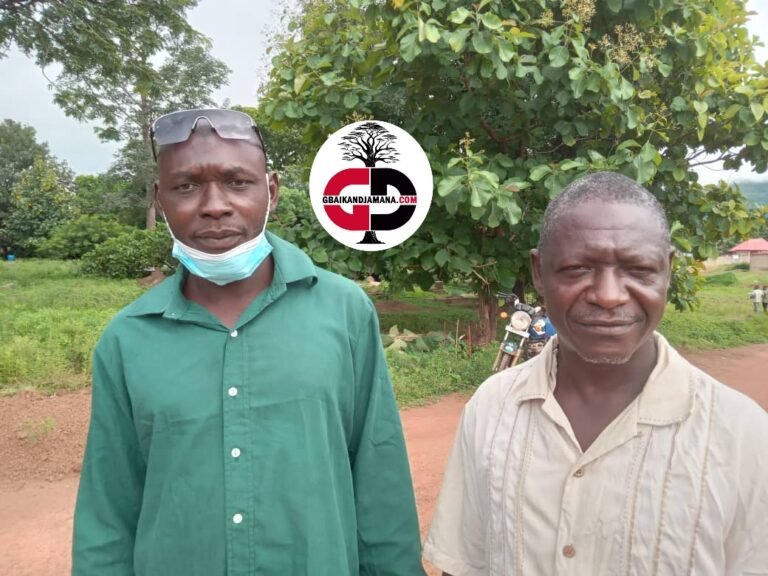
(370, 143)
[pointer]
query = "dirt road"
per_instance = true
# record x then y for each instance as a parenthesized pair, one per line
(41, 442)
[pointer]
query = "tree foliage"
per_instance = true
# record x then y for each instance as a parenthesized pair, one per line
(92, 38)
(513, 100)
(110, 196)
(41, 199)
(18, 149)
(131, 254)
(126, 103)
(72, 239)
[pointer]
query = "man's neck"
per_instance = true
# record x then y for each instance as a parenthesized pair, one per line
(587, 378)
(228, 302)
(593, 395)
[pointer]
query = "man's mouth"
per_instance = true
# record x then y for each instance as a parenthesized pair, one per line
(218, 234)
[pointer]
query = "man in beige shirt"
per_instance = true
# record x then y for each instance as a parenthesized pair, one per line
(608, 453)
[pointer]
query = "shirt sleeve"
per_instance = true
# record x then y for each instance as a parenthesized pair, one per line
(457, 536)
(111, 481)
(387, 522)
(746, 552)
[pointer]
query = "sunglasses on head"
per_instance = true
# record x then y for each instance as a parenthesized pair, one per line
(176, 127)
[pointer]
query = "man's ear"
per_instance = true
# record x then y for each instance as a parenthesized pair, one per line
(536, 271)
(274, 190)
(156, 199)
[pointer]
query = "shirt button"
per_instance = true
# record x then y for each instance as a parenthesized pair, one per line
(232, 391)
(569, 551)
(235, 452)
(233, 333)
(579, 473)
(237, 518)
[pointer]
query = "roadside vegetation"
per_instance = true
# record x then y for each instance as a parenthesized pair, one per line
(51, 317)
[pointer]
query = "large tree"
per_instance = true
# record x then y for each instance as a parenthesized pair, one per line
(18, 149)
(123, 63)
(127, 104)
(41, 199)
(513, 100)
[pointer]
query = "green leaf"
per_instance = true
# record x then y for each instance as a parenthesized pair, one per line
(570, 165)
(627, 144)
(431, 31)
(459, 15)
(448, 184)
(539, 172)
(679, 174)
(679, 104)
(409, 47)
(615, 6)
(751, 139)
(481, 42)
(700, 106)
(320, 256)
(491, 21)
(351, 99)
(648, 152)
(507, 50)
(558, 56)
(757, 110)
(442, 257)
(665, 69)
(298, 82)
(644, 171)
(701, 47)
(513, 212)
(457, 39)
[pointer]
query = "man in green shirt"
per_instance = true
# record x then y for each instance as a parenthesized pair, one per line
(243, 420)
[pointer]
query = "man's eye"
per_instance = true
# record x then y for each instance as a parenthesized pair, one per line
(184, 187)
(237, 183)
(577, 269)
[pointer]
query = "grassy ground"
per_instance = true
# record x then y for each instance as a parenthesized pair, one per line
(50, 319)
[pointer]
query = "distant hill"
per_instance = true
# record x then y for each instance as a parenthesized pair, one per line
(754, 191)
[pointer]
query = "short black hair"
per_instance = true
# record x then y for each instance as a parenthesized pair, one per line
(605, 186)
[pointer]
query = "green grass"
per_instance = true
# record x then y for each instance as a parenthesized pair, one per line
(51, 318)
(419, 378)
(725, 318)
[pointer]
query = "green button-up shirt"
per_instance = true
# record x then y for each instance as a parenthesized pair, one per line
(271, 448)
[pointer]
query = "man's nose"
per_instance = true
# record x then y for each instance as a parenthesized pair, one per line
(215, 202)
(608, 290)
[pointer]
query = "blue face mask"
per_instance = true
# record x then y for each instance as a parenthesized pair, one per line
(230, 266)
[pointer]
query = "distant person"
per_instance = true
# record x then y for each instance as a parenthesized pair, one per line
(243, 419)
(765, 298)
(608, 453)
(756, 296)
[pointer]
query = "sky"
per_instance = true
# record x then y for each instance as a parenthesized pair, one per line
(238, 30)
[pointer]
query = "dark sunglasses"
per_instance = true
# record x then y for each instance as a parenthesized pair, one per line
(177, 126)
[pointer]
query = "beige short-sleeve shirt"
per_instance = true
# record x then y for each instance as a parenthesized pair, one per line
(676, 485)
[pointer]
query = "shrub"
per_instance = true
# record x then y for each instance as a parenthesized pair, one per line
(72, 240)
(724, 279)
(741, 266)
(131, 254)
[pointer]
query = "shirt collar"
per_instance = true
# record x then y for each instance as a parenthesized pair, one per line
(667, 396)
(291, 266)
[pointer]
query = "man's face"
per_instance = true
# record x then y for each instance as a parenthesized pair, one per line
(213, 191)
(604, 277)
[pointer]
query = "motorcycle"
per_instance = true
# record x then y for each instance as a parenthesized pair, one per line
(527, 331)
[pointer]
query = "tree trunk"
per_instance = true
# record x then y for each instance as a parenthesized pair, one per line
(149, 176)
(488, 311)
